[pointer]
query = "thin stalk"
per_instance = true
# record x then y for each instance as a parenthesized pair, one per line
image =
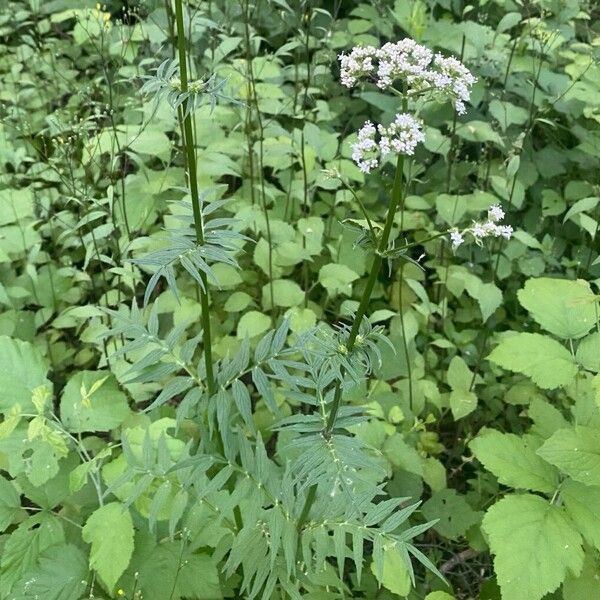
(396, 201)
(405, 340)
(252, 94)
(188, 143)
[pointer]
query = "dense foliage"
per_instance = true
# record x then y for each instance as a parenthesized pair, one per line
(248, 352)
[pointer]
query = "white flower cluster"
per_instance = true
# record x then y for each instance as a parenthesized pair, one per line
(402, 136)
(479, 231)
(416, 65)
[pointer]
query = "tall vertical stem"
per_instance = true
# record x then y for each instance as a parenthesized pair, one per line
(189, 147)
(396, 201)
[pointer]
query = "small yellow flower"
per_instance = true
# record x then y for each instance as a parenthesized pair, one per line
(120, 592)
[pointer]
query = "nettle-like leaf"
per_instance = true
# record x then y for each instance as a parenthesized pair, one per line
(92, 401)
(22, 369)
(25, 545)
(576, 452)
(109, 530)
(514, 461)
(452, 514)
(562, 307)
(546, 361)
(581, 502)
(9, 503)
(60, 573)
(534, 544)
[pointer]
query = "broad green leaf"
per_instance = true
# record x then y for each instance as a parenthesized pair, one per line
(439, 596)
(10, 503)
(576, 452)
(92, 401)
(395, 575)
(252, 323)
(22, 369)
(286, 293)
(478, 131)
(60, 574)
(549, 364)
(453, 513)
(506, 113)
(588, 352)
(301, 319)
(337, 279)
(584, 586)
(564, 308)
(513, 460)
(462, 400)
(546, 418)
(582, 502)
(401, 455)
(237, 302)
(163, 573)
(459, 376)
(24, 545)
(534, 545)
(462, 403)
(109, 530)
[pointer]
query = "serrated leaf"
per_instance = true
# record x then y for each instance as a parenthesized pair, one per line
(10, 503)
(22, 369)
(549, 364)
(588, 352)
(109, 530)
(513, 460)
(562, 307)
(453, 513)
(576, 452)
(534, 546)
(24, 546)
(102, 408)
(582, 502)
(60, 574)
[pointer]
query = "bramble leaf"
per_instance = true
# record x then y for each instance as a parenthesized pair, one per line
(549, 364)
(534, 546)
(109, 530)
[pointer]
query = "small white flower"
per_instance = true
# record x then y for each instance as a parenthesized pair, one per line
(401, 136)
(357, 64)
(414, 65)
(479, 230)
(457, 238)
(506, 231)
(495, 213)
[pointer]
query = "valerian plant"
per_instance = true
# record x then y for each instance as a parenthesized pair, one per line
(313, 314)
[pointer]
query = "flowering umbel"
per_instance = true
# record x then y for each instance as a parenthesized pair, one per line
(422, 73)
(480, 231)
(402, 137)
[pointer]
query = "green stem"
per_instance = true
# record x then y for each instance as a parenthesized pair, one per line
(188, 142)
(397, 200)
